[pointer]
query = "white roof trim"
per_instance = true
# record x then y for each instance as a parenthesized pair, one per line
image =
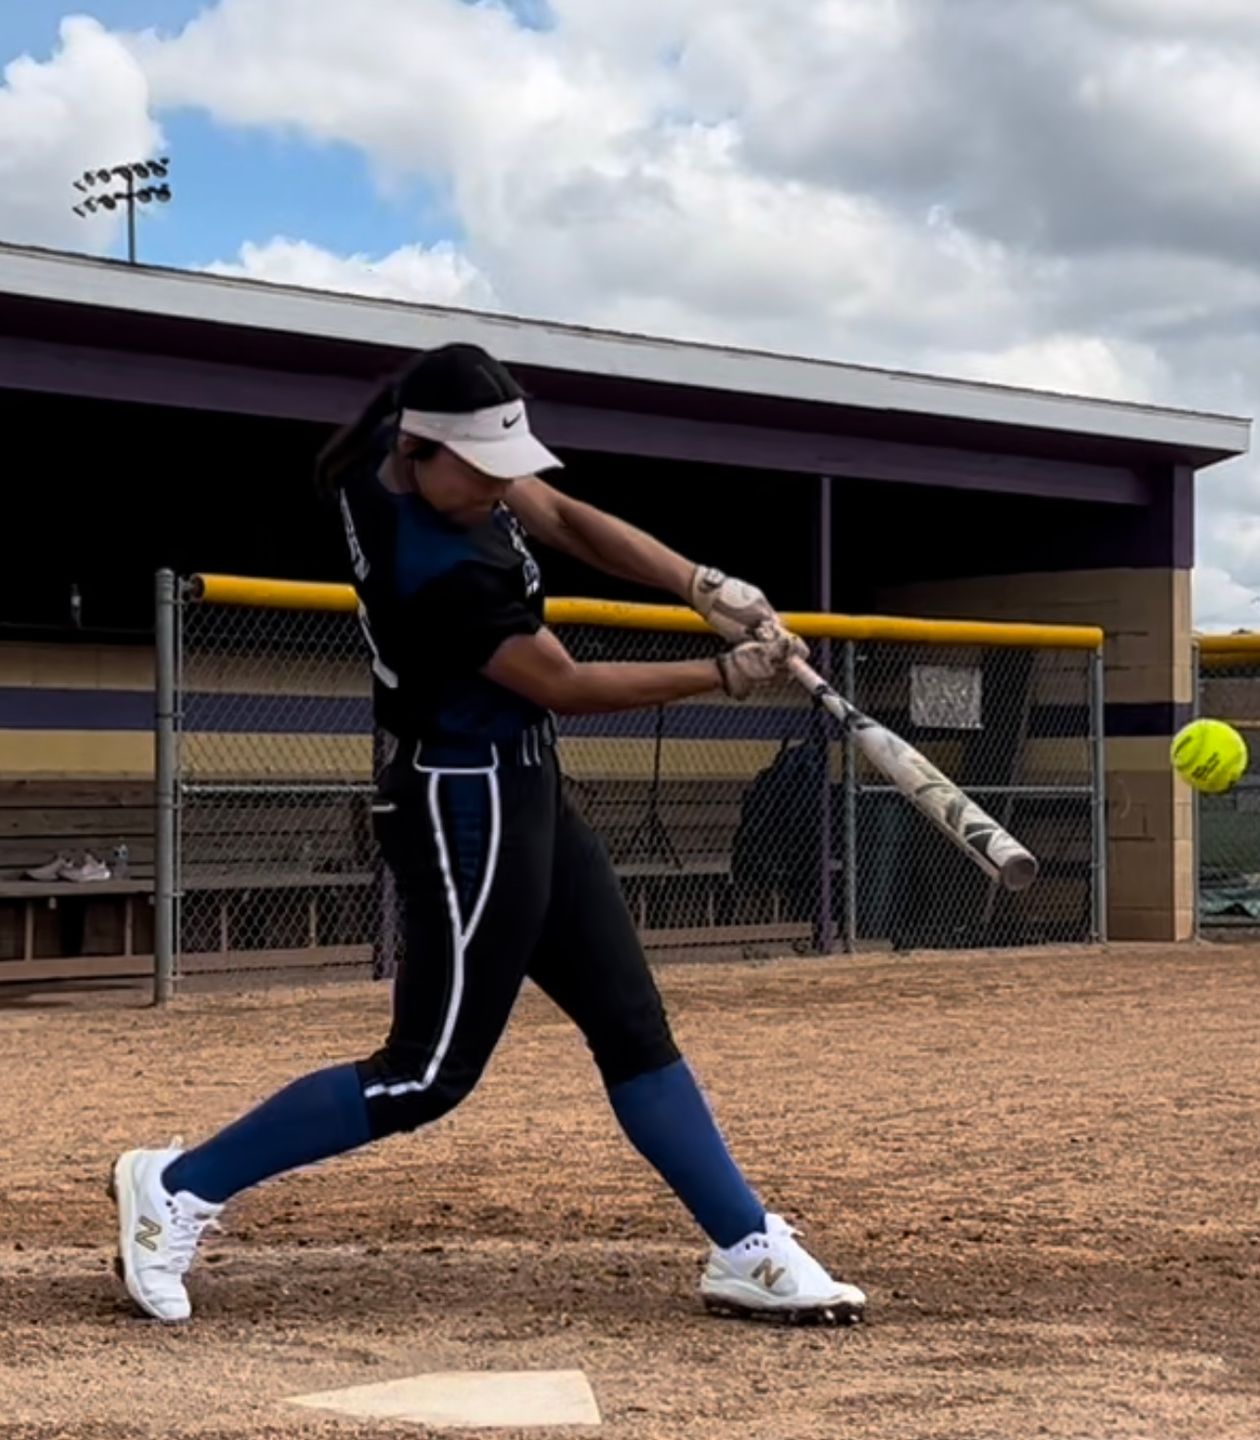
(192, 295)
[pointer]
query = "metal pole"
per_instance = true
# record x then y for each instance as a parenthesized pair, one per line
(131, 219)
(1196, 709)
(826, 919)
(1098, 780)
(165, 797)
(850, 809)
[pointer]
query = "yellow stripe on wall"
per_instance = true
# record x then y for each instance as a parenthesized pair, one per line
(277, 757)
(76, 755)
(128, 755)
(1138, 752)
(76, 667)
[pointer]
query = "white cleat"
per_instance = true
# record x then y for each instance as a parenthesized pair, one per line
(769, 1276)
(157, 1233)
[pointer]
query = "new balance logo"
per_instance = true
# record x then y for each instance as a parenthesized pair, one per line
(768, 1274)
(148, 1233)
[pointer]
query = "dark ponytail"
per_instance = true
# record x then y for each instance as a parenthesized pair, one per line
(348, 446)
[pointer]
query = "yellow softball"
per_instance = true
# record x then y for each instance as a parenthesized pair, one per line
(1210, 755)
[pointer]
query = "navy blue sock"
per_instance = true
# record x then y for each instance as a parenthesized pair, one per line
(318, 1116)
(669, 1123)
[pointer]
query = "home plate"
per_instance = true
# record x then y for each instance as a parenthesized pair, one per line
(469, 1399)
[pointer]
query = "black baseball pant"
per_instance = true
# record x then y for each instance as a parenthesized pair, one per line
(499, 878)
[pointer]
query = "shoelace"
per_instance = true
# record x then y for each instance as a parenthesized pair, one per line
(185, 1233)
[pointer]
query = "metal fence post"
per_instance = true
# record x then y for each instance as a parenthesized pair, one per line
(850, 809)
(1196, 804)
(165, 798)
(826, 917)
(1098, 797)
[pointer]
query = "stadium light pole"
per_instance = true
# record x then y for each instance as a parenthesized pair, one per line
(94, 185)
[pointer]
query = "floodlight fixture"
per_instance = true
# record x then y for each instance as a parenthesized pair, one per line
(128, 195)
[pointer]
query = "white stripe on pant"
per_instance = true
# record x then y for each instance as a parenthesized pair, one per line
(461, 936)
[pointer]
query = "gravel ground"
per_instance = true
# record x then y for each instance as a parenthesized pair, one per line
(1043, 1168)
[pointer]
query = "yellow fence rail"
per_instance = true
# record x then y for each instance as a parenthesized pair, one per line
(1225, 652)
(676, 619)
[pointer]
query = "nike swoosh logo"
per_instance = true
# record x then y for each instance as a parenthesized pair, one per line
(508, 422)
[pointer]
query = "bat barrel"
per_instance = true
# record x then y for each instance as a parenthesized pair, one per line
(935, 796)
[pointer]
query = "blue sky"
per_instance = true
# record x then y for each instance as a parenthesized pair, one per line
(30, 26)
(236, 186)
(232, 186)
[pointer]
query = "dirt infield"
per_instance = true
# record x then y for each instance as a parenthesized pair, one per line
(1043, 1168)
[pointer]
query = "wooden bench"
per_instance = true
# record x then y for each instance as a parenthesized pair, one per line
(674, 858)
(276, 873)
(279, 874)
(671, 844)
(72, 921)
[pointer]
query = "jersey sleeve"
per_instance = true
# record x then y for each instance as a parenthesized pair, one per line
(469, 612)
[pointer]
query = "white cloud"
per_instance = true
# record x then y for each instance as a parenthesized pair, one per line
(1071, 364)
(85, 107)
(1221, 602)
(437, 275)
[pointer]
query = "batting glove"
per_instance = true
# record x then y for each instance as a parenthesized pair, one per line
(758, 662)
(736, 610)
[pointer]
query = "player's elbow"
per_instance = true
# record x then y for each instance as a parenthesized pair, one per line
(567, 692)
(577, 689)
(542, 671)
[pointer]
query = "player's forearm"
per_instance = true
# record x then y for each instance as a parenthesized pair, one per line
(621, 549)
(538, 667)
(599, 687)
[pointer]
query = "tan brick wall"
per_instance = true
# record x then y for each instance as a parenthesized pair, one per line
(1146, 615)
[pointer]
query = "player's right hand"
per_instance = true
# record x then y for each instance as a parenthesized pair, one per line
(750, 666)
(736, 610)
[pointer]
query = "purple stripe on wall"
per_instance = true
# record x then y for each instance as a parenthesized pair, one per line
(140, 379)
(24, 708)
(1181, 517)
(846, 457)
(123, 710)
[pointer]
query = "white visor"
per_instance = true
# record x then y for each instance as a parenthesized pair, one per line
(496, 441)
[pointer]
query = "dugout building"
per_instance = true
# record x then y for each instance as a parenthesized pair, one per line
(167, 419)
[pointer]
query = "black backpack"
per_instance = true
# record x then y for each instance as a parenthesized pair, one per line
(778, 843)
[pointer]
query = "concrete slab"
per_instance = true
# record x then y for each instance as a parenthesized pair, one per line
(469, 1399)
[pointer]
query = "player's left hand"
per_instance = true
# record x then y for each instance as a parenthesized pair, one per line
(758, 663)
(736, 610)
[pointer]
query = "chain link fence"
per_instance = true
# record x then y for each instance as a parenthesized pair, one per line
(735, 828)
(275, 857)
(1228, 826)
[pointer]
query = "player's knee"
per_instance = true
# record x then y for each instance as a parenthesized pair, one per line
(640, 1042)
(404, 1092)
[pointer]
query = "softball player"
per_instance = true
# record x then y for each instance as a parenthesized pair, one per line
(498, 877)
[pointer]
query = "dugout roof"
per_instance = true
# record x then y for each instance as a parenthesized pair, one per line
(208, 397)
(98, 328)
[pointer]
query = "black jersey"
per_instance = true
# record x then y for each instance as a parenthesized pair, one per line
(436, 601)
